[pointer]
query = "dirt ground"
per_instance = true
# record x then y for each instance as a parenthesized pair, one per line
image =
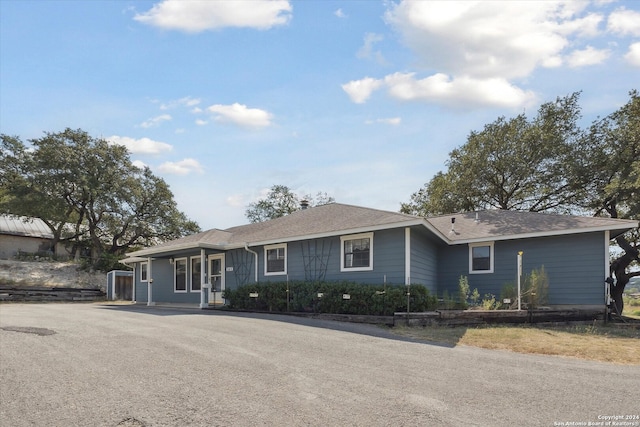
(49, 274)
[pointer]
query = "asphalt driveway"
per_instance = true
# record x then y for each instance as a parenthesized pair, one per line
(95, 365)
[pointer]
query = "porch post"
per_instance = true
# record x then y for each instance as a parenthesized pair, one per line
(149, 283)
(203, 278)
(133, 283)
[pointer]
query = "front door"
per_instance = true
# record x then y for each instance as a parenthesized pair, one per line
(216, 278)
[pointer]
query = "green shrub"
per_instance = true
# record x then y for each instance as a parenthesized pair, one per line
(536, 288)
(509, 291)
(328, 297)
(475, 297)
(448, 302)
(463, 292)
(489, 302)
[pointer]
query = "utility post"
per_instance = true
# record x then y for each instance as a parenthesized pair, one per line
(519, 278)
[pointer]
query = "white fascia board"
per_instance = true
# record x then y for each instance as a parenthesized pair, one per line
(180, 247)
(341, 232)
(536, 234)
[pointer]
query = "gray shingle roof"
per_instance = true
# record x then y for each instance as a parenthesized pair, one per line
(320, 220)
(337, 218)
(502, 224)
(325, 220)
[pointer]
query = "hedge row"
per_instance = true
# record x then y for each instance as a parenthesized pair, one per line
(330, 297)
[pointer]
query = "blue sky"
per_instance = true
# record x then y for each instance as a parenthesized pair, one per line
(363, 100)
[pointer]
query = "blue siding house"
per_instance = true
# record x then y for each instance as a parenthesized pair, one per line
(343, 242)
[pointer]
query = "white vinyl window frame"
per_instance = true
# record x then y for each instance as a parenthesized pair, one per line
(278, 249)
(476, 247)
(175, 275)
(144, 272)
(343, 240)
(197, 278)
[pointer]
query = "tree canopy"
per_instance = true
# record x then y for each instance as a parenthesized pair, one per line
(281, 201)
(89, 193)
(515, 164)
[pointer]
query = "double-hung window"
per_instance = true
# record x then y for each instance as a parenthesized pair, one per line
(180, 275)
(356, 252)
(144, 272)
(196, 269)
(480, 258)
(275, 259)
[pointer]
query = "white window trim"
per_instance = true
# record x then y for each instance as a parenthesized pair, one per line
(355, 237)
(491, 257)
(146, 270)
(186, 273)
(286, 256)
(190, 273)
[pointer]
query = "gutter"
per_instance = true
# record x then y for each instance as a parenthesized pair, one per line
(246, 248)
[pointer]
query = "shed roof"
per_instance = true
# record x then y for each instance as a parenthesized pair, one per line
(24, 226)
(337, 218)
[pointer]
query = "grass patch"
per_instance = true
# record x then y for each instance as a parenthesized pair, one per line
(631, 311)
(590, 342)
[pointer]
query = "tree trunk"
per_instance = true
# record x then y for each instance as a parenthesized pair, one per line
(615, 291)
(618, 269)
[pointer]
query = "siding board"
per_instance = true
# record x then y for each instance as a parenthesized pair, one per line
(582, 283)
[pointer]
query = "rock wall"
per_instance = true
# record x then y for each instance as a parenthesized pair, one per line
(49, 274)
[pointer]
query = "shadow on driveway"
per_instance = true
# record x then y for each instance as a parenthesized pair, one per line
(355, 328)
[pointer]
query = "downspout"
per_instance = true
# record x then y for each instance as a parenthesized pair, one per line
(246, 248)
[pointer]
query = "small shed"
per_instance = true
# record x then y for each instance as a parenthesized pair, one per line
(23, 234)
(120, 285)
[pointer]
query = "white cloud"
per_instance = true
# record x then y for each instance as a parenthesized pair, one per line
(369, 40)
(459, 91)
(196, 16)
(462, 91)
(584, 27)
(473, 51)
(360, 90)
(367, 52)
(624, 22)
(139, 164)
(183, 167)
(340, 14)
(187, 101)
(487, 39)
(236, 201)
(241, 115)
(633, 55)
(201, 122)
(394, 121)
(140, 146)
(155, 121)
(587, 56)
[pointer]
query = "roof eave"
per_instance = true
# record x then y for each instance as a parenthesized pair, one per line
(179, 247)
(621, 230)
